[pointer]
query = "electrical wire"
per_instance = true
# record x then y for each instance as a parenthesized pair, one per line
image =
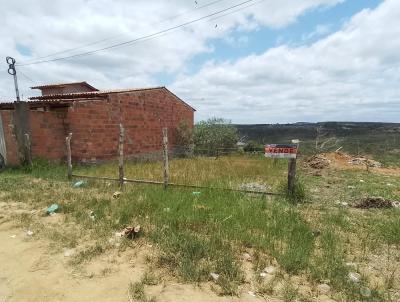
(120, 35)
(26, 77)
(146, 37)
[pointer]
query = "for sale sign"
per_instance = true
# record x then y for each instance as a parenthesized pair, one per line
(281, 151)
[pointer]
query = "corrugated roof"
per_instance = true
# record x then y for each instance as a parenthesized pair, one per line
(89, 94)
(60, 99)
(58, 85)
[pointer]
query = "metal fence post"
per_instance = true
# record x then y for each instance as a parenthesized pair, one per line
(69, 160)
(121, 155)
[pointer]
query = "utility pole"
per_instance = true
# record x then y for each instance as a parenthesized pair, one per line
(21, 117)
(12, 71)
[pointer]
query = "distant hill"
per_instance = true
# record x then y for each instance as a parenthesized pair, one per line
(382, 140)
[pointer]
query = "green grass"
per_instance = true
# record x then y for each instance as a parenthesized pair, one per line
(207, 233)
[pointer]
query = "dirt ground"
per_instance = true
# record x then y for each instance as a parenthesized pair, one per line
(32, 271)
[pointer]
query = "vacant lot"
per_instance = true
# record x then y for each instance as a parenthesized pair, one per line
(200, 245)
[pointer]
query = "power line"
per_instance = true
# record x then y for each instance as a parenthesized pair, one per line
(143, 38)
(117, 36)
(26, 77)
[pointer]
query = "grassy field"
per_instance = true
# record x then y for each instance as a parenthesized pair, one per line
(318, 241)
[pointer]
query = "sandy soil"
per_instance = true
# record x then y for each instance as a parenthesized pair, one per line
(31, 271)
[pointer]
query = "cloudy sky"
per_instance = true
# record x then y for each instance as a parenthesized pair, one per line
(254, 61)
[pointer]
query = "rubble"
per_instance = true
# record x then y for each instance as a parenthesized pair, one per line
(357, 161)
(318, 162)
(253, 186)
(377, 203)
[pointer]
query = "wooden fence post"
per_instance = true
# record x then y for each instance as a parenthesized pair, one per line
(165, 157)
(291, 176)
(121, 155)
(69, 159)
(28, 150)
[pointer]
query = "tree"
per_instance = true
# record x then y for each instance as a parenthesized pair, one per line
(184, 138)
(215, 133)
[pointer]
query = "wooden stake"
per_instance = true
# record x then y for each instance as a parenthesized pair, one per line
(28, 151)
(165, 157)
(121, 155)
(69, 159)
(291, 175)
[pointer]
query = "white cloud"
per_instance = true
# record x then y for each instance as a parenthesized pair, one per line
(46, 27)
(352, 74)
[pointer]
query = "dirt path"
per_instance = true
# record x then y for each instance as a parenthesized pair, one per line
(29, 272)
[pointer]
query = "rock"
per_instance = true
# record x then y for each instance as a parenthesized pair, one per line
(79, 184)
(270, 270)
(214, 276)
(251, 293)
(246, 257)
(29, 233)
(365, 292)
(324, 288)
(69, 252)
(351, 187)
(351, 264)
(263, 275)
(354, 277)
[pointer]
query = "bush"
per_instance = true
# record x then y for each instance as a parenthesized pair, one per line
(299, 194)
(252, 146)
(184, 138)
(213, 134)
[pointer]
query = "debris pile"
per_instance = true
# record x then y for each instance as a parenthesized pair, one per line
(377, 203)
(358, 161)
(253, 186)
(318, 161)
(129, 232)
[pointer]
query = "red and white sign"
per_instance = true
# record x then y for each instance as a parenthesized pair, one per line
(281, 151)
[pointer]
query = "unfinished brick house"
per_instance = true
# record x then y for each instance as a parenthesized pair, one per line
(93, 117)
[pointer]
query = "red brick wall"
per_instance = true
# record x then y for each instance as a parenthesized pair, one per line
(95, 126)
(95, 123)
(11, 141)
(47, 134)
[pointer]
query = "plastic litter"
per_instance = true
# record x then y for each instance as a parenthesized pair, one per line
(79, 184)
(29, 233)
(52, 209)
(117, 194)
(252, 294)
(69, 252)
(91, 215)
(214, 276)
(196, 193)
(129, 232)
(354, 277)
(365, 291)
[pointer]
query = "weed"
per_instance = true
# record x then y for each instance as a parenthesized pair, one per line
(289, 292)
(136, 293)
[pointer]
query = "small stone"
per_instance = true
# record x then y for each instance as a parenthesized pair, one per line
(166, 210)
(69, 252)
(214, 276)
(354, 277)
(263, 275)
(246, 257)
(365, 291)
(324, 288)
(351, 264)
(351, 187)
(29, 233)
(362, 180)
(251, 293)
(270, 270)
(13, 236)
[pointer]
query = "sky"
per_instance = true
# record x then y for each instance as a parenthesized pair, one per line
(254, 61)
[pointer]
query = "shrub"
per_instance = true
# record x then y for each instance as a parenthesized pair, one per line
(213, 134)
